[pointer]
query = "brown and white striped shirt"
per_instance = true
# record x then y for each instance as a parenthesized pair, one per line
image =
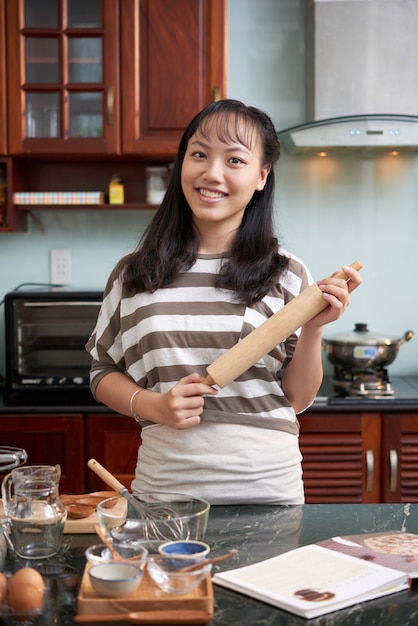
(157, 338)
(245, 448)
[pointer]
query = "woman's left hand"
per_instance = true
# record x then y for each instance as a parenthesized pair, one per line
(336, 292)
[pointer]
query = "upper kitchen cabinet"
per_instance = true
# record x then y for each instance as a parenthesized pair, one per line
(3, 127)
(62, 72)
(110, 76)
(173, 63)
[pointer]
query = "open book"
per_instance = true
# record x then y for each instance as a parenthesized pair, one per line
(330, 575)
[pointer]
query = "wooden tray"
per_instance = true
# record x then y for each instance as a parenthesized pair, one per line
(148, 597)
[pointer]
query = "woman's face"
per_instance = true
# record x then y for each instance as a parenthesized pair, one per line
(219, 177)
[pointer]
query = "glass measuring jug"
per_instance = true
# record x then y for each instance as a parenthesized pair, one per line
(35, 515)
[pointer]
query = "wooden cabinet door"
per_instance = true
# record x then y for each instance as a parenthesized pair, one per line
(63, 77)
(113, 440)
(400, 457)
(341, 457)
(48, 440)
(3, 127)
(173, 65)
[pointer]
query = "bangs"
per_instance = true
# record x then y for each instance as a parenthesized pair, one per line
(230, 128)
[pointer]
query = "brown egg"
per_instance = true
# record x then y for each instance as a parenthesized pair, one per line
(24, 598)
(28, 575)
(3, 587)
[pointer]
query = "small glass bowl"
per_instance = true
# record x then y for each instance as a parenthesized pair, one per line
(132, 552)
(115, 579)
(166, 572)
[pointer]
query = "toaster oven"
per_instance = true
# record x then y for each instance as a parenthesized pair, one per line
(46, 361)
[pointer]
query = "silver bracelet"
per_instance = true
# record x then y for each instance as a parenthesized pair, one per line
(133, 414)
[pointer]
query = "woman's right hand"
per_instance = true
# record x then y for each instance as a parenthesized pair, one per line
(179, 408)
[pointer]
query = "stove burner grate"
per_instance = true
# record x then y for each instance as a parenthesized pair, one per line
(371, 383)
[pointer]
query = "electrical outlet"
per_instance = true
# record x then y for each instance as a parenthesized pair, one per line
(61, 267)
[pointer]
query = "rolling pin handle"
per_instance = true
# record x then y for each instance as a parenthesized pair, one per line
(208, 381)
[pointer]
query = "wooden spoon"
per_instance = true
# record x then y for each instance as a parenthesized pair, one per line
(107, 543)
(157, 618)
(79, 511)
(215, 559)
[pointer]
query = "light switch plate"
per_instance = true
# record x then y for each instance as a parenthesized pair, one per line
(61, 267)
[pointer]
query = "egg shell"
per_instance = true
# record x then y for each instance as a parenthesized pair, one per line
(24, 597)
(28, 575)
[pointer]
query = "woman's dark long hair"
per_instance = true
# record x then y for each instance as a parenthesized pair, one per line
(170, 243)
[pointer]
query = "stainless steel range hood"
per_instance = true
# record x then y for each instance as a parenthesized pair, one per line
(362, 86)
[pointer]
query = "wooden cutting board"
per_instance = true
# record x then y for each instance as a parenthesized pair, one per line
(148, 597)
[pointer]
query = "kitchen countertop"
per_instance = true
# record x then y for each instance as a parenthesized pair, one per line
(405, 399)
(260, 532)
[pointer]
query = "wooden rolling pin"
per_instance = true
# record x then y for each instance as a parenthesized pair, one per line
(269, 335)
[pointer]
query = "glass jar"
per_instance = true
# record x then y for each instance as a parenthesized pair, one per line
(116, 190)
(156, 184)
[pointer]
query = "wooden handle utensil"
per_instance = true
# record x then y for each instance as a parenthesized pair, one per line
(270, 334)
(179, 617)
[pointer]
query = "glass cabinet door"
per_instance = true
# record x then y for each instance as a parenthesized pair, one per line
(65, 94)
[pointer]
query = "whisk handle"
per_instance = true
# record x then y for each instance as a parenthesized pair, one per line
(106, 476)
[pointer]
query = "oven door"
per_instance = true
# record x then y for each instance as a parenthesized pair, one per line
(46, 360)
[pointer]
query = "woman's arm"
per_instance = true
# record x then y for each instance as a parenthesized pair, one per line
(179, 408)
(303, 376)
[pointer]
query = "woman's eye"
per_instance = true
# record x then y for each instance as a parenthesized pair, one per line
(235, 160)
(198, 155)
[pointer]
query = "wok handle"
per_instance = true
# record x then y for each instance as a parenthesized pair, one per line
(105, 475)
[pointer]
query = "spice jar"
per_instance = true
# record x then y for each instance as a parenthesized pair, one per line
(156, 184)
(116, 190)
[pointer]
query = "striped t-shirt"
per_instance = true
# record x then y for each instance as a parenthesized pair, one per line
(158, 338)
(246, 448)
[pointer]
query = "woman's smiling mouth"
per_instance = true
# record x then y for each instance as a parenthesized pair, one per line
(207, 193)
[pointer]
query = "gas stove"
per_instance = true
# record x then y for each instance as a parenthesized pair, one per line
(370, 383)
(367, 389)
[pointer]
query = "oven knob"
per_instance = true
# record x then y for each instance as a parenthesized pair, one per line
(78, 380)
(49, 381)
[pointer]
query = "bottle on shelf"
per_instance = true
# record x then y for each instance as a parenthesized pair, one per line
(116, 190)
(156, 184)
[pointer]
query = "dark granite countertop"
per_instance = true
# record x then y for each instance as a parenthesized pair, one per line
(260, 532)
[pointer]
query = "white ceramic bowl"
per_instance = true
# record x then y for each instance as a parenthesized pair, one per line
(133, 553)
(115, 580)
(186, 549)
(166, 573)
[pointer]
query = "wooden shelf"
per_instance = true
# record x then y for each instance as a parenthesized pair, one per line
(137, 206)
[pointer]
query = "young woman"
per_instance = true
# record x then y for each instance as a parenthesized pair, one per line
(207, 271)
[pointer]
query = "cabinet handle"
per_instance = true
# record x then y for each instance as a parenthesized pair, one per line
(369, 469)
(393, 462)
(110, 103)
(216, 93)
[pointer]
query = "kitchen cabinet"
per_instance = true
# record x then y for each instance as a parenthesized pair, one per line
(400, 457)
(49, 439)
(77, 70)
(113, 440)
(62, 77)
(173, 64)
(360, 457)
(3, 121)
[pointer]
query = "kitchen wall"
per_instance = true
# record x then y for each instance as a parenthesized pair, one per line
(328, 211)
